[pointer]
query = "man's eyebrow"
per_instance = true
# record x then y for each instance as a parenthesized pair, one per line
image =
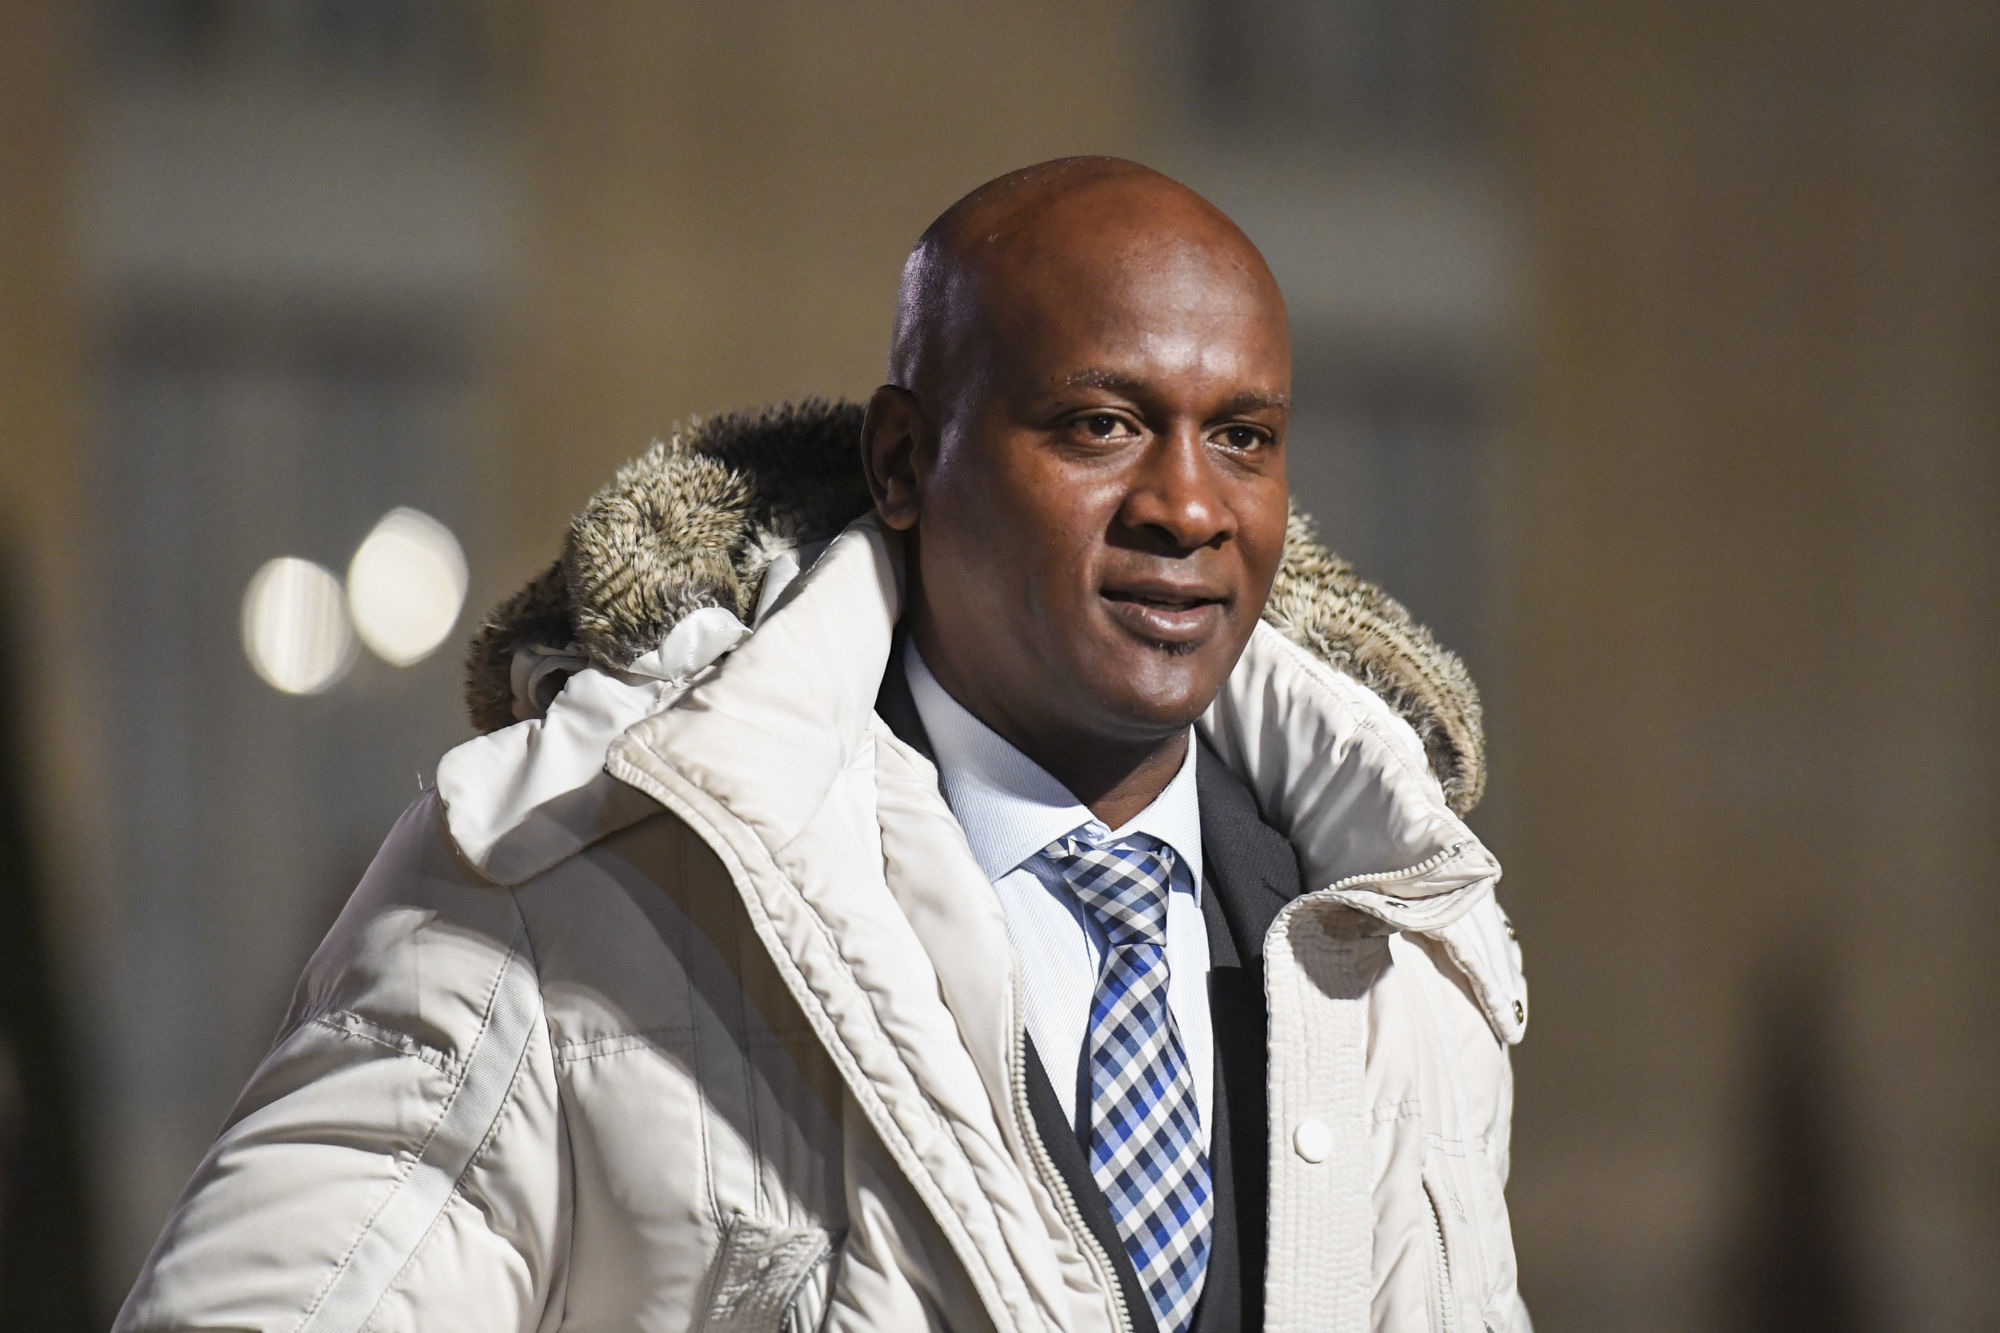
(1104, 379)
(1133, 387)
(1252, 399)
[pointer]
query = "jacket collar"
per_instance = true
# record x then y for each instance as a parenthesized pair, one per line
(788, 717)
(1330, 765)
(1344, 779)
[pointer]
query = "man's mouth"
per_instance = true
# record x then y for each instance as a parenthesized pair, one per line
(1164, 613)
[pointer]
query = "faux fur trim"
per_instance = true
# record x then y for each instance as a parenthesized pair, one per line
(697, 519)
(1320, 603)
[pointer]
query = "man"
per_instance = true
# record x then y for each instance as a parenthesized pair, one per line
(967, 915)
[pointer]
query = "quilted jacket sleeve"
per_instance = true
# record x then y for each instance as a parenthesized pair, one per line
(396, 1161)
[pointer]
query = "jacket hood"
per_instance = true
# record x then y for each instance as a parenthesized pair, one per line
(698, 520)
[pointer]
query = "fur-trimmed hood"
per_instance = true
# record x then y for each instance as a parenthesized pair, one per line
(697, 520)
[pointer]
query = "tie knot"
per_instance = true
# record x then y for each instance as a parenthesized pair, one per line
(1123, 885)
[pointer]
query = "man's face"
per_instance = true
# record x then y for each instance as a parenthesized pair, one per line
(1104, 510)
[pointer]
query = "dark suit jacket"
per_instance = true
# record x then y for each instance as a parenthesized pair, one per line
(1250, 872)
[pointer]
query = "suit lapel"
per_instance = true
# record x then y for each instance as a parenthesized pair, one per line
(1251, 866)
(1251, 873)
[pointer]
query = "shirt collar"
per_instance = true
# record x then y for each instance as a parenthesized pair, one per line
(1011, 808)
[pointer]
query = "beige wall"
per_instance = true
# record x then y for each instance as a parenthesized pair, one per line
(41, 362)
(1747, 725)
(50, 821)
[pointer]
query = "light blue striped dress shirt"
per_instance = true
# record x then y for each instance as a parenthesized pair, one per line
(1010, 808)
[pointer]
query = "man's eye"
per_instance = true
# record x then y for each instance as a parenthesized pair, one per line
(1244, 437)
(1102, 425)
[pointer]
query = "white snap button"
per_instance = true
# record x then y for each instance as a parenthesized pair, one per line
(1313, 1140)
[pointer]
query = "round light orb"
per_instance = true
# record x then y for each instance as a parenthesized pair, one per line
(294, 626)
(406, 586)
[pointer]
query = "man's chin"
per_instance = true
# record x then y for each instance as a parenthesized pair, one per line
(1160, 694)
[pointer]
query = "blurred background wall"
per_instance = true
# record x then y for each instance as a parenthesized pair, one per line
(1650, 353)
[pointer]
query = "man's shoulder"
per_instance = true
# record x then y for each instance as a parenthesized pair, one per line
(605, 935)
(1250, 866)
(418, 951)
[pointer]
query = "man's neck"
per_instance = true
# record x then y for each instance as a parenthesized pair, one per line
(1115, 787)
(1115, 779)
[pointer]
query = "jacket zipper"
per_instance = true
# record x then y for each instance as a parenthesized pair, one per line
(1444, 1317)
(1423, 867)
(1052, 1178)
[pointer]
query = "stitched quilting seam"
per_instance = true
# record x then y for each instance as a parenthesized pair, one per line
(405, 1218)
(346, 1023)
(570, 1052)
(405, 1163)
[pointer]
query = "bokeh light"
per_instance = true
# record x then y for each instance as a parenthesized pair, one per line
(406, 586)
(295, 630)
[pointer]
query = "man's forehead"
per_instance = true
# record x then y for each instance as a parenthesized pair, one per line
(1108, 318)
(1137, 386)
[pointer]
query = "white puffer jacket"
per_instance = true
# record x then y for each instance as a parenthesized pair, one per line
(687, 1007)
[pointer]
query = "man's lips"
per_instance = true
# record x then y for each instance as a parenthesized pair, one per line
(1166, 612)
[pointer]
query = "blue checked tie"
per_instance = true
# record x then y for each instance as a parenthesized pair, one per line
(1145, 1127)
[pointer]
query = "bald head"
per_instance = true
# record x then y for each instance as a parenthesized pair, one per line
(1051, 234)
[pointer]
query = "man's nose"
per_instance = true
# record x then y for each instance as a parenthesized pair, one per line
(1177, 493)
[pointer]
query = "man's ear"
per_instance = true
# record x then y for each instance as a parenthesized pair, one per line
(892, 436)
